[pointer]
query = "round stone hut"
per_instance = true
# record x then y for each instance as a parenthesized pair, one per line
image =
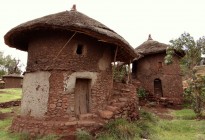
(68, 80)
(161, 81)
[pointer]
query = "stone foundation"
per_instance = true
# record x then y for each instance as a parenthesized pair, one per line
(121, 104)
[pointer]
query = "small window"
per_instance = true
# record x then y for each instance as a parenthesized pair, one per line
(159, 65)
(79, 49)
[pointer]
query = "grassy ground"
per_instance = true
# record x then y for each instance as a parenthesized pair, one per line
(177, 125)
(184, 126)
(10, 94)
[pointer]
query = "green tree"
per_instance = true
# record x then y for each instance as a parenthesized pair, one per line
(9, 65)
(193, 50)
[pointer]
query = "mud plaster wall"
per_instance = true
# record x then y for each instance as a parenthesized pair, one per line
(94, 63)
(43, 53)
(13, 82)
(35, 94)
(148, 70)
(70, 80)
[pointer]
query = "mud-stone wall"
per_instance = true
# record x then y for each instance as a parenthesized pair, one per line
(121, 104)
(152, 67)
(47, 52)
(50, 82)
(13, 82)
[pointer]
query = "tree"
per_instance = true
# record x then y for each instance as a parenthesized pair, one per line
(9, 65)
(193, 50)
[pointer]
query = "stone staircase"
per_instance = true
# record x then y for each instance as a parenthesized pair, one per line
(122, 103)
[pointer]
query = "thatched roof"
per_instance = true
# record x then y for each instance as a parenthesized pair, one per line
(151, 47)
(154, 47)
(69, 21)
(12, 75)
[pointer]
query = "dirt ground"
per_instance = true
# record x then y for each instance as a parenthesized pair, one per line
(161, 112)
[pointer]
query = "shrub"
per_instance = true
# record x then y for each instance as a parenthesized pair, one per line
(141, 93)
(120, 129)
(83, 135)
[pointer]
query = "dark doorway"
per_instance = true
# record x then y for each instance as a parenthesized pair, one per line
(158, 88)
(82, 93)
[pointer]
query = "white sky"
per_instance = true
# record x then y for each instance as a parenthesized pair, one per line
(132, 19)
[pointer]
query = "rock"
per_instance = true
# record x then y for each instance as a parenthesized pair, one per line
(86, 123)
(86, 116)
(70, 123)
(52, 106)
(106, 114)
(72, 119)
(118, 104)
(59, 104)
(111, 108)
(123, 99)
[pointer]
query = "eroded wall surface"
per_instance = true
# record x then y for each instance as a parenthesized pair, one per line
(35, 94)
(50, 80)
(153, 67)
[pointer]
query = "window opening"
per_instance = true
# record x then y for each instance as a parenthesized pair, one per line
(159, 66)
(79, 49)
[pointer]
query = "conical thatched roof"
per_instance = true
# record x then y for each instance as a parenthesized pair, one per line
(151, 47)
(69, 21)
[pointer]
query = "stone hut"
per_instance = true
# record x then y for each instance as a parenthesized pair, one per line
(2, 84)
(161, 81)
(12, 81)
(68, 83)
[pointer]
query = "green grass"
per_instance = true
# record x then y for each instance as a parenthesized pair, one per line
(10, 94)
(186, 114)
(6, 110)
(180, 130)
(184, 126)
(6, 135)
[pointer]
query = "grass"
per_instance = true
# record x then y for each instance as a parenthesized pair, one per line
(186, 114)
(10, 94)
(184, 126)
(6, 135)
(180, 130)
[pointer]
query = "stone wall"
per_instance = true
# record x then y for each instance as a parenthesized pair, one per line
(51, 73)
(152, 67)
(61, 96)
(122, 103)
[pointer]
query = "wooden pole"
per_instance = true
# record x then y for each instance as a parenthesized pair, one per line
(115, 55)
(129, 73)
(114, 65)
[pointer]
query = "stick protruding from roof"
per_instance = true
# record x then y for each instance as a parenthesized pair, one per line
(150, 37)
(74, 8)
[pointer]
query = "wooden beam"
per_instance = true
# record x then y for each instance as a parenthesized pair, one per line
(129, 74)
(114, 65)
(115, 55)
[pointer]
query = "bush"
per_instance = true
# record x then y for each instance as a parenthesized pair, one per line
(146, 124)
(120, 129)
(83, 135)
(141, 93)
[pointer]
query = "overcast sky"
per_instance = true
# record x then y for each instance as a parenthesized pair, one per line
(132, 19)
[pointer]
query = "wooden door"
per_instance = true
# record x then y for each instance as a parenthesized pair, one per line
(158, 88)
(82, 89)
